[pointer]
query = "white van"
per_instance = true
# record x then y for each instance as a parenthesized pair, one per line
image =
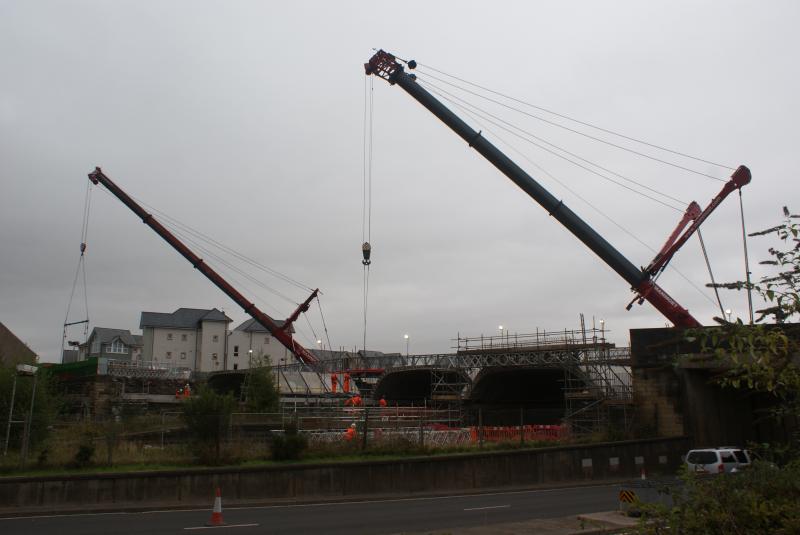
(713, 461)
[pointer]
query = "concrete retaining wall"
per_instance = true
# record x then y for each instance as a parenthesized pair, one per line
(452, 473)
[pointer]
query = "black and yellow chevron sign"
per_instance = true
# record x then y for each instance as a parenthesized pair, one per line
(627, 496)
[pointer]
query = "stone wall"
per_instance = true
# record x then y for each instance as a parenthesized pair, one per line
(308, 482)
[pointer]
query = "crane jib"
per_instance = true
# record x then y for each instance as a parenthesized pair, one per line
(282, 334)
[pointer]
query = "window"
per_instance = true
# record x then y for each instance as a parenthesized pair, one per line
(117, 347)
(169, 354)
(184, 337)
(702, 457)
(215, 338)
(235, 366)
(169, 336)
(96, 346)
(266, 340)
(183, 355)
(235, 351)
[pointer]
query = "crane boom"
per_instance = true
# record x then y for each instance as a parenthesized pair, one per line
(385, 65)
(281, 333)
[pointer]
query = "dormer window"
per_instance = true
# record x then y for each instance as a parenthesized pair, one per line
(117, 347)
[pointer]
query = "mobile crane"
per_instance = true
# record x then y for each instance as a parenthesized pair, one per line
(282, 333)
(386, 66)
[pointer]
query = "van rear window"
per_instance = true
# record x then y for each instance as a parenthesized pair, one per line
(702, 457)
(740, 456)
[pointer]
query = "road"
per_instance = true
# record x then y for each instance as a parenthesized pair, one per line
(378, 517)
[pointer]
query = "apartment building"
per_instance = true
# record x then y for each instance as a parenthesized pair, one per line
(191, 338)
(118, 344)
(250, 344)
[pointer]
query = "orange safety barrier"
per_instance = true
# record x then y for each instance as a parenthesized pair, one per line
(512, 433)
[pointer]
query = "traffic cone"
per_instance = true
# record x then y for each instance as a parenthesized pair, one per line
(216, 512)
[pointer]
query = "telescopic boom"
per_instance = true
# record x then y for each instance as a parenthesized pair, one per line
(282, 333)
(386, 66)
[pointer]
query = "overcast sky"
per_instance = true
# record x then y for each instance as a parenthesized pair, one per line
(244, 120)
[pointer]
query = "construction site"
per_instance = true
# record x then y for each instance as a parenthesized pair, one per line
(541, 384)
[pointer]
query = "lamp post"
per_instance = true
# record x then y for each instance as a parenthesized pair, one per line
(319, 344)
(602, 331)
(10, 415)
(501, 328)
(406, 337)
(728, 313)
(25, 369)
(249, 358)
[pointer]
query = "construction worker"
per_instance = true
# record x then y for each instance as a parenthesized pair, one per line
(187, 391)
(334, 382)
(348, 402)
(178, 392)
(357, 400)
(346, 386)
(382, 401)
(350, 434)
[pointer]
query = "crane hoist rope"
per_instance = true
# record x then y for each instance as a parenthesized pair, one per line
(366, 207)
(80, 275)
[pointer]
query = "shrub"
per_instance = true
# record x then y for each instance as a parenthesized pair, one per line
(290, 445)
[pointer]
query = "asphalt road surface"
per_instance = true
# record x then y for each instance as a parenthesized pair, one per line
(379, 517)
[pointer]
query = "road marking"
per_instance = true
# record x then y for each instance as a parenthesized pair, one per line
(224, 526)
(322, 504)
(488, 507)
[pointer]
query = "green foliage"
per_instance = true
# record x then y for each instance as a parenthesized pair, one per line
(290, 445)
(762, 499)
(207, 416)
(780, 290)
(45, 406)
(262, 393)
(85, 453)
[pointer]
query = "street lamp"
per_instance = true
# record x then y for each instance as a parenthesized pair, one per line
(728, 313)
(249, 358)
(22, 369)
(602, 331)
(319, 344)
(406, 337)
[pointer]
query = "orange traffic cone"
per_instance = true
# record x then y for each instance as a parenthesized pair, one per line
(216, 512)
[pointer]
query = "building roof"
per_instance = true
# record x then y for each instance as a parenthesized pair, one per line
(252, 326)
(183, 318)
(105, 335)
(13, 350)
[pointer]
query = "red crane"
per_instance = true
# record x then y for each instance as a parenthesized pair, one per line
(280, 332)
(385, 65)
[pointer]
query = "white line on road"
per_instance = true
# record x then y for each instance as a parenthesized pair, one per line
(224, 526)
(490, 507)
(323, 504)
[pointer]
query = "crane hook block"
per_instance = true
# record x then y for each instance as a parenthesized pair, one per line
(366, 249)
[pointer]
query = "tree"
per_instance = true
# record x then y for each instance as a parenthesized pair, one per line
(261, 391)
(207, 416)
(761, 358)
(780, 289)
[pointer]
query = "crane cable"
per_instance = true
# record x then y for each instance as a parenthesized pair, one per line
(366, 208)
(591, 205)
(589, 136)
(746, 260)
(80, 274)
(710, 273)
